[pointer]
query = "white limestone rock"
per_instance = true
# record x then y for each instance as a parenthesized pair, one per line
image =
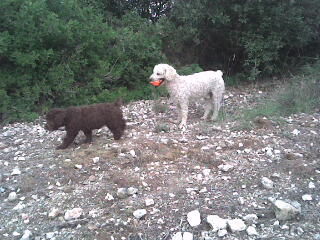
(236, 225)
(15, 171)
(267, 183)
(286, 210)
(251, 231)
(12, 196)
(149, 202)
(250, 219)
(26, 235)
(177, 236)
(225, 167)
(19, 207)
(187, 236)
(72, 214)
(109, 197)
(50, 235)
(132, 190)
(138, 214)
(193, 218)
(222, 232)
(122, 192)
(307, 197)
(54, 212)
(216, 222)
(95, 160)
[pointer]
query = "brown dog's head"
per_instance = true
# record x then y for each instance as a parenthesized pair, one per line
(55, 119)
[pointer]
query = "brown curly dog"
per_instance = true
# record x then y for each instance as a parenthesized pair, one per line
(86, 118)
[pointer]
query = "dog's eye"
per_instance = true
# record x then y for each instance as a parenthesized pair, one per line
(158, 73)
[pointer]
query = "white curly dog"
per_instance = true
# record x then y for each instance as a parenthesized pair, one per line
(208, 85)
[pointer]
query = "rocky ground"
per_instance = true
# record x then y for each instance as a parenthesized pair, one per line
(212, 181)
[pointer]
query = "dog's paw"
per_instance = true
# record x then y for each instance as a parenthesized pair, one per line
(61, 147)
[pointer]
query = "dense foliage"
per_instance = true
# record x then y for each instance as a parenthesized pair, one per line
(248, 37)
(71, 52)
(61, 53)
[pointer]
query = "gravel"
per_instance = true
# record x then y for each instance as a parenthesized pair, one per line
(146, 185)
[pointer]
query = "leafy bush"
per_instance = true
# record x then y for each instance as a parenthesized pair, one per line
(136, 50)
(59, 53)
(301, 94)
(257, 39)
(190, 69)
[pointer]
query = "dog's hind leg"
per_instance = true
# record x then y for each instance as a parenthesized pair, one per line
(216, 98)
(207, 109)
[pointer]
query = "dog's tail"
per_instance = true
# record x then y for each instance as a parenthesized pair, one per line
(219, 72)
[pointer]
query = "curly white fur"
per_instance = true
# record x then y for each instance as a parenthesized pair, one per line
(208, 85)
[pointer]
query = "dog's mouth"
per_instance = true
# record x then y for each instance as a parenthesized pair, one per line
(157, 83)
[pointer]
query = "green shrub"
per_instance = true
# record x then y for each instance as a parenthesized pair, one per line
(190, 69)
(301, 94)
(60, 53)
(136, 50)
(257, 38)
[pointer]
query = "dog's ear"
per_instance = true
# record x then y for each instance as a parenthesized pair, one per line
(170, 73)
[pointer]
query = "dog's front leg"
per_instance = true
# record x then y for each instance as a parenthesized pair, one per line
(68, 139)
(184, 115)
(88, 134)
(179, 118)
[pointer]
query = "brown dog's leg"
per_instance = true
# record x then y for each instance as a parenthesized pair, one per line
(68, 139)
(117, 132)
(117, 128)
(88, 134)
(116, 135)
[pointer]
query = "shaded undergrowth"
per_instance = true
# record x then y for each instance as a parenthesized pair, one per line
(301, 94)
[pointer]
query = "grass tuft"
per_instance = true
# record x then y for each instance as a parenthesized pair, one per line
(301, 94)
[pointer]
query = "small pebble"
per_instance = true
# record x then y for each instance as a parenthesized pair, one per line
(139, 213)
(149, 202)
(12, 196)
(73, 214)
(307, 197)
(95, 159)
(15, 172)
(26, 235)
